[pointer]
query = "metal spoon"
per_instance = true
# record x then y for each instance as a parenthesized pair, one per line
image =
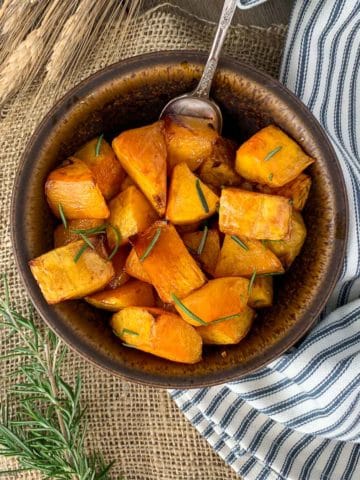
(197, 103)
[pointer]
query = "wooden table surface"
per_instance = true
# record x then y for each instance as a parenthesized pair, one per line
(270, 12)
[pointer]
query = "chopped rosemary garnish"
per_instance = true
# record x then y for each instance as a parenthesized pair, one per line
(62, 215)
(151, 245)
(272, 153)
(80, 252)
(90, 231)
(222, 319)
(270, 274)
(202, 196)
(128, 345)
(271, 176)
(98, 145)
(117, 241)
(251, 283)
(188, 312)
(239, 242)
(129, 332)
(203, 240)
(87, 241)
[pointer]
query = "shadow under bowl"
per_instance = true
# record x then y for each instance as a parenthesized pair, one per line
(132, 93)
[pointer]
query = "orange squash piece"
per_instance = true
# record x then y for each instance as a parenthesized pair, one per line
(297, 191)
(73, 186)
(218, 169)
(211, 249)
(130, 213)
(228, 332)
(132, 294)
(240, 256)
(105, 166)
(271, 157)
(63, 236)
(288, 249)
(142, 153)
(61, 278)
(171, 268)
(262, 292)
(160, 333)
(188, 140)
(185, 204)
(134, 267)
(254, 215)
(219, 298)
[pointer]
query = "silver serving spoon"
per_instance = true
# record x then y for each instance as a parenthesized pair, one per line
(197, 103)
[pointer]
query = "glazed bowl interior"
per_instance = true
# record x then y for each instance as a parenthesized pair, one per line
(130, 94)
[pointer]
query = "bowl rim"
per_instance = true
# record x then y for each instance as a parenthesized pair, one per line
(84, 88)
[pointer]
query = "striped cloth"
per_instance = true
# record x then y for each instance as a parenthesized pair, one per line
(299, 418)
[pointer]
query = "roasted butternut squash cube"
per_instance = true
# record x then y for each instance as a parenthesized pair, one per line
(296, 191)
(254, 215)
(61, 278)
(219, 298)
(162, 334)
(229, 331)
(166, 260)
(240, 256)
(74, 187)
(101, 159)
(63, 236)
(210, 249)
(261, 294)
(188, 140)
(134, 267)
(142, 153)
(130, 213)
(190, 200)
(134, 293)
(118, 262)
(288, 249)
(218, 169)
(271, 157)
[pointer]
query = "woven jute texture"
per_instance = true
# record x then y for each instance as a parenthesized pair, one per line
(137, 426)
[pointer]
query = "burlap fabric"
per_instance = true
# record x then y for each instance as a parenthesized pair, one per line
(137, 426)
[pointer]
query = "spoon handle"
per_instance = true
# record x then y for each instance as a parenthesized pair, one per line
(203, 88)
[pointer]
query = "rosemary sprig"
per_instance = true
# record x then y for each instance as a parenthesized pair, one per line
(117, 241)
(42, 423)
(151, 244)
(203, 240)
(188, 312)
(90, 231)
(271, 274)
(272, 153)
(129, 332)
(202, 196)
(62, 215)
(239, 242)
(251, 283)
(84, 233)
(98, 145)
(87, 241)
(80, 252)
(227, 317)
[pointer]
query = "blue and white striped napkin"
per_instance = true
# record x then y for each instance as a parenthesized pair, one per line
(299, 418)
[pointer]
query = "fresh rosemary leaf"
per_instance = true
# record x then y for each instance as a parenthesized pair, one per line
(117, 241)
(129, 332)
(98, 145)
(270, 274)
(80, 252)
(62, 215)
(202, 196)
(90, 231)
(251, 283)
(87, 241)
(239, 242)
(271, 176)
(42, 423)
(222, 319)
(203, 240)
(188, 312)
(272, 153)
(151, 244)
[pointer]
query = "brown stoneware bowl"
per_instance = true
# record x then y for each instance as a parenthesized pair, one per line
(130, 94)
